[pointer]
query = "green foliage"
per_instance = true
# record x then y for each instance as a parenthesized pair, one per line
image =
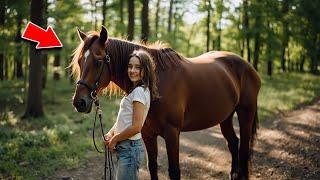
(35, 148)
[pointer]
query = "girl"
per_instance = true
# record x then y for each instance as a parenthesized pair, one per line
(125, 135)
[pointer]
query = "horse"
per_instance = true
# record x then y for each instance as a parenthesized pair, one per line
(196, 93)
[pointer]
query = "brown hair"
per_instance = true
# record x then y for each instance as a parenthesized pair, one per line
(148, 67)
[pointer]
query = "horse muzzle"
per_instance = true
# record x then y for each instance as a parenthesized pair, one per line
(83, 104)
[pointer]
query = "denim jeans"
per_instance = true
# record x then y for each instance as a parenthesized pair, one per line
(130, 155)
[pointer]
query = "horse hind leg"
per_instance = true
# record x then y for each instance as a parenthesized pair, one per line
(248, 123)
(232, 141)
(150, 141)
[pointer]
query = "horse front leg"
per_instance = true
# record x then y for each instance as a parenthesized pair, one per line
(171, 136)
(150, 141)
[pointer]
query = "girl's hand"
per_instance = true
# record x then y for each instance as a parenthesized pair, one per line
(113, 142)
(107, 138)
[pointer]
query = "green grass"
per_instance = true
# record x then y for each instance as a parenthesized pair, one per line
(36, 148)
(283, 92)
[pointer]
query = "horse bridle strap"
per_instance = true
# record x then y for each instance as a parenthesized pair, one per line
(108, 161)
(93, 88)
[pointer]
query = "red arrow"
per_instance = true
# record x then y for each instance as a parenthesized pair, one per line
(44, 38)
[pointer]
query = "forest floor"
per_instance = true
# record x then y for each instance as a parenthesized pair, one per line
(288, 147)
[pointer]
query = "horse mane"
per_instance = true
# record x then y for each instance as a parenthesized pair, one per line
(119, 51)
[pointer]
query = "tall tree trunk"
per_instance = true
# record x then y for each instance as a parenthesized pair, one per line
(157, 19)
(45, 53)
(18, 57)
(257, 41)
(208, 2)
(104, 9)
(1, 66)
(56, 67)
(285, 34)
(145, 21)
(130, 20)
(170, 16)
(121, 17)
(240, 41)
(246, 28)
(220, 7)
(2, 20)
(302, 60)
(34, 104)
(268, 54)
(313, 54)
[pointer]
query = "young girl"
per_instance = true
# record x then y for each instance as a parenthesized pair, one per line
(125, 135)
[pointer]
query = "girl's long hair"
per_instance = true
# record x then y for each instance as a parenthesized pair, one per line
(149, 78)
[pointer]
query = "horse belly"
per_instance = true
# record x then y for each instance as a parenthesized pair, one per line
(214, 99)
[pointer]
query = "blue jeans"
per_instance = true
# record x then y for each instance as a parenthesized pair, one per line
(130, 155)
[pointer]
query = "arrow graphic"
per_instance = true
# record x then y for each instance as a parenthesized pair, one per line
(44, 38)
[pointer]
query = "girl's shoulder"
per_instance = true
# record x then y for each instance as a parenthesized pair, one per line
(140, 89)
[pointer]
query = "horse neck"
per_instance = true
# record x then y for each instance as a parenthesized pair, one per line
(119, 52)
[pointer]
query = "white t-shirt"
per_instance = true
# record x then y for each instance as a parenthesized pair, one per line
(125, 114)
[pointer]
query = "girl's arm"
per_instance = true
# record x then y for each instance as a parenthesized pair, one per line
(137, 123)
(110, 134)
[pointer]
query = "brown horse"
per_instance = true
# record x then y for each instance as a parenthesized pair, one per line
(196, 93)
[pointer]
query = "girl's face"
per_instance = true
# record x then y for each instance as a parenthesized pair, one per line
(134, 70)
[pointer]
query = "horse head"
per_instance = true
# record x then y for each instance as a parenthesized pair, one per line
(91, 66)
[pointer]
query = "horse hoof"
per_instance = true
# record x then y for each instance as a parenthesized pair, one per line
(234, 176)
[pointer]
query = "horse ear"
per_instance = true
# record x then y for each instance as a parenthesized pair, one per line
(81, 34)
(103, 35)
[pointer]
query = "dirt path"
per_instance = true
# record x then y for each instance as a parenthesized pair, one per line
(288, 147)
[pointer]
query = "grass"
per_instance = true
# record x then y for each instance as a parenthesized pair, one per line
(36, 148)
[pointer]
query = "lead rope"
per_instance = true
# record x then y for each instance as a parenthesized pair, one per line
(108, 161)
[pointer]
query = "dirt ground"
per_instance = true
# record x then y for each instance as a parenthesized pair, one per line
(288, 147)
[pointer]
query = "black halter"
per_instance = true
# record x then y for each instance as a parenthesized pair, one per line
(108, 161)
(93, 88)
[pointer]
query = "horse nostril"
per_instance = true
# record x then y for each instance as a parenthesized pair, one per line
(82, 103)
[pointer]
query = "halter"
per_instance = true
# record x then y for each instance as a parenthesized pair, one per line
(108, 161)
(93, 88)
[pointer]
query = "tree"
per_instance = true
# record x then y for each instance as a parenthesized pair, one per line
(145, 20)
(104, 9)
(34, 102)
(130, 20)
(257, 33)
(170, 17)
(2, 21)
(209, 9)
(157, 19)
(285, 33)
(246, 29)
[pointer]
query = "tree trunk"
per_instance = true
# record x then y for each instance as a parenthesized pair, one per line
(1, 66)
(121, 17)
(313, 54)
(2, 20)
(257, 42)
(145, 20)
(170, 16)
(130, 20)
(104, 9)
(45, 53)
(34, 102)
(302, 60)
(246, 28)
(208, 23)
(18, 57)
(157, 19)
(285, 34)
(56, 67)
